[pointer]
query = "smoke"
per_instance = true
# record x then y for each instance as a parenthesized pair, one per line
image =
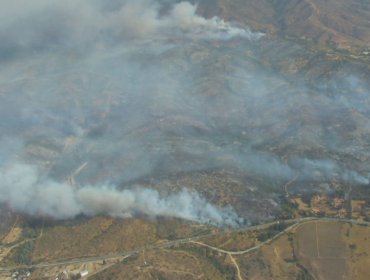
(51, 24)
(22, 189)
(307, 169)
(145, 89)
(183, 16)
(326, 170)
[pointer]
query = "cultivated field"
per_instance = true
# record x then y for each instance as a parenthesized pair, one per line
(321, 247)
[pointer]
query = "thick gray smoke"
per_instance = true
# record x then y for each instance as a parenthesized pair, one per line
(45, 29)
(22, 189)
(45, 24)
(129, 92)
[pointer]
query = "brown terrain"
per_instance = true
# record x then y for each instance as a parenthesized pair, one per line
(342, 23)
(309, 39)
(314, 249)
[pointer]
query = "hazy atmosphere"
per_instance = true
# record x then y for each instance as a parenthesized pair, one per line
(98, 98)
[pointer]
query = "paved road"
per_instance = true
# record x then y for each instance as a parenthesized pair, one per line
(193, 240)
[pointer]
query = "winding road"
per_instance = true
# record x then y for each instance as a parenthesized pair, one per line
(191, 240)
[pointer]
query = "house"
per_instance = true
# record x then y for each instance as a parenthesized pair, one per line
(84, 273)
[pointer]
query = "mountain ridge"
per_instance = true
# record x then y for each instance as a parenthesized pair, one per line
(343, 24)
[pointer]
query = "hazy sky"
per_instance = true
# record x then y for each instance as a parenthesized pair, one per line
(139, 89)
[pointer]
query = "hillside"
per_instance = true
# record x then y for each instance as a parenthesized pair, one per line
(342, 23)
(158, 142)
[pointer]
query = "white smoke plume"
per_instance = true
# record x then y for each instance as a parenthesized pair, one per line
(327, 170)
(184, 17)
(22, 190)
(45, 24)
(136, 89)
(51, 27)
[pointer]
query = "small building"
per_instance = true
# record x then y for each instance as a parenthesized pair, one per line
(84, 273)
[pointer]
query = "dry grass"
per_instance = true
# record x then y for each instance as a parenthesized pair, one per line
(163, 264)
(330, 240)
(254, 266)
(322, 249)
(5, 276)
(97, 236)
(306, 241)
(301, 205)
(74, 269)
(13, 235)
(279, 255)
(359, 241)
(327, 250)
(104, 235)
(233, 241)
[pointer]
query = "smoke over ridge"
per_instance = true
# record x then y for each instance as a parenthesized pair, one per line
(46, 24)
(50, 26)
(21, 189)
(146, 89)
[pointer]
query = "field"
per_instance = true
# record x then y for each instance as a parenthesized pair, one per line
(358, 240)
(103, 235)
(322, 249)
(164, 264)
(233, 241)
(309, 250)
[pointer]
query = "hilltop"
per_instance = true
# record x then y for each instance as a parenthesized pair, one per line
(341, 23)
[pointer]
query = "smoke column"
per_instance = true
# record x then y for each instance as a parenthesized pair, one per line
(51, 24)
(150, 89)
(22, 190)
(50, 27)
